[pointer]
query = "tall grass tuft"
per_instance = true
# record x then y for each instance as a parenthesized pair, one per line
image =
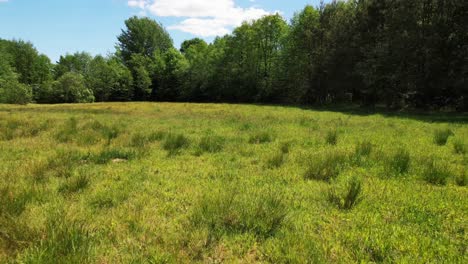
(459, 147)
(435, 173)
(399, 162)
(74, 184)
(326, 166)
(175, 142)
(260, 138)
(62, 242)
(441, 136)
(68, 131)
(346, 197)
(230, 211)
(110, 154)
(332, 137)
(461, 179)
(211, 144)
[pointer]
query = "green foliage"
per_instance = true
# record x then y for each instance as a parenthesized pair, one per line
(74, 184)
(441, 136)
(175, 142)
(211, 144)
(261, 137)
(399, 162)
(347, 196)
(435, 172)
(70, 88)
(325, 166)
(230, 211)
(276, 160)
(459, 146)
(332, 137)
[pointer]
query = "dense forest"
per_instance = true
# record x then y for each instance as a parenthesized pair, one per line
(395, 53)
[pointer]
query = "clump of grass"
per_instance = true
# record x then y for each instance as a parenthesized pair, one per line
(348, 196)
(62, 164)
(441, 136)
(68, 131)
(260, 138)
(461, 179)
(12, 202)
(332, 137)
(232, 212)
(276, 160)
(459, 147)
(75, 184)
(399, 162)
(435, 173)
(211, 144)
(325, 167)
(61, 242)
(363, 148)
(111, 154)
(156, 136)
(175, 142)
(110, 133)
(139, 140)
(285, 147)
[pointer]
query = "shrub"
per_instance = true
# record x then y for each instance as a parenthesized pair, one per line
(441, 136)
(459, 146)
(175, 142)
(435, 173)
(346, 197)
(70, 88)
(260, 138)
(325, 167)
(399, 162)
(332, 137)
(211, 144)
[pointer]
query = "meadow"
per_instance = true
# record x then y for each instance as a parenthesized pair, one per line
(213, 183)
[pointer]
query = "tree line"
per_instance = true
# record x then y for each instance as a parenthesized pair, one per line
(396, 53)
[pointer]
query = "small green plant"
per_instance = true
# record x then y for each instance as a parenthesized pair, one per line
(156, 136)
(332, 137)
(461, 179)
(228, 211)
(111, 154)
(260, 138)
(74, 184)
(363, 148)
(175, 142)
(441, 136)
(459, 147)
(285, 147)
(399, 162)
(325, 167)
(435, 173)
(211, 144)
(276, 160)
(346, 197)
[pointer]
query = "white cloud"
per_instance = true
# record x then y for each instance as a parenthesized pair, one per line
(201, 17)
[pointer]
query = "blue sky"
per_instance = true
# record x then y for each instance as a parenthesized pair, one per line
(57, 27)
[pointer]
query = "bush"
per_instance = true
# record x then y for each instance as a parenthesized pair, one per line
(174, 143)
(70, 88)
(211, 144)
(435, 173)
(332, 137)
(399, 162)
(260, 138)
(459, 147)
(441, 136)
(346, 197)
(325, 167)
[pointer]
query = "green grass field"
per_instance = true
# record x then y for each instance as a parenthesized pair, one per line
(180, 183)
